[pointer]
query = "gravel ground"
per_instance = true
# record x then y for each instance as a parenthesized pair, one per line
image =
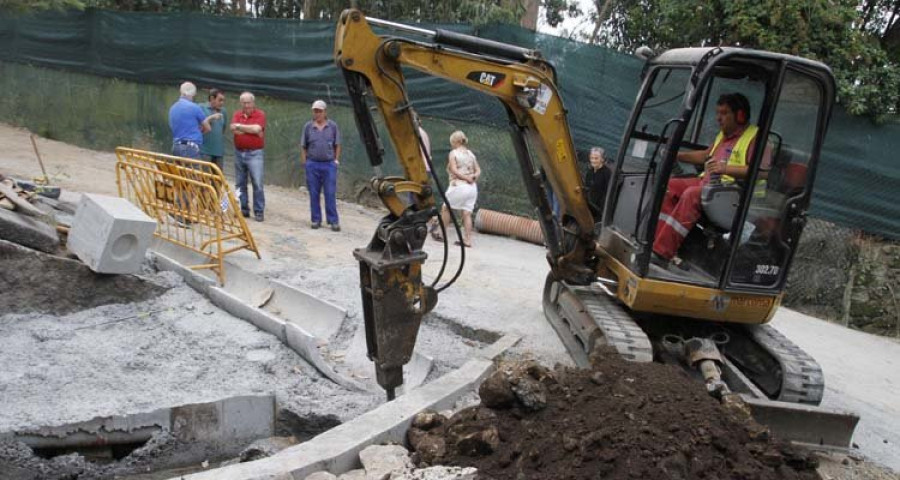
(172, 350)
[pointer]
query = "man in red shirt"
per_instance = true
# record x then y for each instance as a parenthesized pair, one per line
(249, 127)
(724, 161)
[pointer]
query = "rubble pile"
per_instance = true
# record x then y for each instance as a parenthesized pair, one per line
(23, 222)
(617, 420)
(393, 462)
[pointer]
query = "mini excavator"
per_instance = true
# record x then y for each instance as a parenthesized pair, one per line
(709, 311)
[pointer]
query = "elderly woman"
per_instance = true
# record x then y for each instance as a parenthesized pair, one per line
(463, 190)
(596, 181)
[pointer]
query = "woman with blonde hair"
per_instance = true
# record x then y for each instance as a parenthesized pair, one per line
(463, 190)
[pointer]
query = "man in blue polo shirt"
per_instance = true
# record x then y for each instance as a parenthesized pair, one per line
(188, 123)
(320, 152)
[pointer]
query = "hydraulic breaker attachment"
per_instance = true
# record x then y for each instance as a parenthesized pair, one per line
(393, 296)
(704, 355)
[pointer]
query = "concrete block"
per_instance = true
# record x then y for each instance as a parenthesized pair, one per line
(110, 234)
(28, 231)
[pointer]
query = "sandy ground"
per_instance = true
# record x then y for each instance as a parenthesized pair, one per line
(499, 290)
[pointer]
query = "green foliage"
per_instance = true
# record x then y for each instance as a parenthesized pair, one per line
(39, 5)
(464, 11)
(859, 39)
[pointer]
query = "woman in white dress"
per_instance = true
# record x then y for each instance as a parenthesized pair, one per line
(463, 190)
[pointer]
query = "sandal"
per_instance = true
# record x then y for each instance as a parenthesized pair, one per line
(435, 232)
(467, 245)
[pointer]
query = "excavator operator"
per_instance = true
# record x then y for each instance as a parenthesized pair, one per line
(724, 161)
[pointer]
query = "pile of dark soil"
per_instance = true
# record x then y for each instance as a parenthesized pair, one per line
(619, 420)
(37, 282)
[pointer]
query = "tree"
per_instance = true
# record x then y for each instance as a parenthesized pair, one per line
(36, 5)
(859, 39)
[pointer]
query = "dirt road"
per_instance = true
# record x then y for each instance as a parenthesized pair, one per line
(498, 292)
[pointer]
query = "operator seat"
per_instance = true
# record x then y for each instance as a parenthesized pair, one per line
(720, 204)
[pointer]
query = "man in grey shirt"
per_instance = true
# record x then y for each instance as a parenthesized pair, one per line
(320, 152)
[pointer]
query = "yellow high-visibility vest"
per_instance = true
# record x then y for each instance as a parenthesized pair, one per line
(738, 156)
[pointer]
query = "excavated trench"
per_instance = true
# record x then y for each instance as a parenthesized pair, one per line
(130, 376)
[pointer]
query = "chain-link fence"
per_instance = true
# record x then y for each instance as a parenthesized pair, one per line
(846, 276)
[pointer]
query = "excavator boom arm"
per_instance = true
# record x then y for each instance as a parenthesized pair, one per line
(518, 78)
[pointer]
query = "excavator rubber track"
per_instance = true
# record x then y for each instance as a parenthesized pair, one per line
(583, 316)
(802, 379)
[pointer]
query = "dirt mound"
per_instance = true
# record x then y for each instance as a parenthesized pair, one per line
(33, 281)
(620, 420)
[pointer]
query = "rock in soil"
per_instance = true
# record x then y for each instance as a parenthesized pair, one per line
(383, 461)
(619, 420)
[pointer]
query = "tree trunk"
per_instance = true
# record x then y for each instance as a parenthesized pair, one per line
(309, 8)
(891, 39)
(603, 7)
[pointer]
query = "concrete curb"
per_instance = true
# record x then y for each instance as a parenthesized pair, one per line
(337, 450)
(195, 280)
(307, 346)
(238, 308)
(230, 420)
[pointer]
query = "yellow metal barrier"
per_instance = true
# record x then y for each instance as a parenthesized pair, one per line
(191, 201)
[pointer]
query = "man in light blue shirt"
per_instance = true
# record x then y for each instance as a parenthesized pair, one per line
(188, 123)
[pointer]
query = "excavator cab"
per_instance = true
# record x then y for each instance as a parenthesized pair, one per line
(748, 228)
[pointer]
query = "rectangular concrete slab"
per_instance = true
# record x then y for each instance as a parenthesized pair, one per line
(110, 234)
(229, 420)
(27, 231)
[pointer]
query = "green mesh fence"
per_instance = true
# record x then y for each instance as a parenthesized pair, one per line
(103, 113)
(291, 61)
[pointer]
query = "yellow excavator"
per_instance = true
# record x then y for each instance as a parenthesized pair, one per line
(708, 310)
